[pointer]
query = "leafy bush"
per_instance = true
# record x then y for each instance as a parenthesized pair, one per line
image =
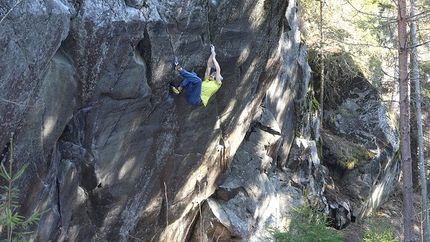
(307, 225)
(378, 231)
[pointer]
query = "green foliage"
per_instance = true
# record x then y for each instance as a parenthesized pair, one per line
(378, 232)
(375, 69)
(311, 103)
(424, 67)
(363, 28)
(372, 23)
(339, 68)
(307, 225)
(349, 156)
(308, 13)
(10, 220)
(345, 154)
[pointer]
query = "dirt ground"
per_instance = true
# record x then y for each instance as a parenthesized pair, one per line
(389, 216)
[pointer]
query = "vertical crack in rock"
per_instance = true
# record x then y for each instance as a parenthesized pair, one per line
(114, 128)
(145, 50)
(140, 203)
(57, 183)
(5, 152)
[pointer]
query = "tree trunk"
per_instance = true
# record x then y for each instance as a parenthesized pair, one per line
(322, 64)
(416, 77)
(408, 219)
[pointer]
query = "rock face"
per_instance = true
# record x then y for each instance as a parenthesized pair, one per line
(116, 157)
(361, 127)
(359, 143)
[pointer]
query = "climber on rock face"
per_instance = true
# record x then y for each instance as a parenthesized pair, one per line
(199, 92)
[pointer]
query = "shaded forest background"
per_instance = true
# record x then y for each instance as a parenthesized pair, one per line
(366, 30)
(351, 35)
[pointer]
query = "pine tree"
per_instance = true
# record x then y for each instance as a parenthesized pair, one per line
(408, 219)
(10, 219)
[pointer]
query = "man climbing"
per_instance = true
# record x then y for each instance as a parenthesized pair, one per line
(198, 92)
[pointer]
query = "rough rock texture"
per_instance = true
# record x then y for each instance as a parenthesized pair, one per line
(253, 196)
(115, 157)
(360, 145)
(360, 124)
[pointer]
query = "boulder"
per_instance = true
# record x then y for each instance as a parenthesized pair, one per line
(360, 143)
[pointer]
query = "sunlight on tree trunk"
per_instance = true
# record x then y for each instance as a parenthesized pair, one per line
(416, 77)
(408, 220)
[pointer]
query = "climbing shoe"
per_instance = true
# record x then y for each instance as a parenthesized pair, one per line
(176, 64)
(175, 90)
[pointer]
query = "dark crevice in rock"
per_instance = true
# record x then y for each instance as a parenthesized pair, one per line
(144, 49)
(5, 152)
(65, 51)
(223, 159)
(116, 98)
(340, 215)
(57, 183)
(84, 163)
(225, 194)
(77, 4)
(269, 130)
(72, 147)
(138, 4)
(202, 38)
(89, 179)
(74, 132)
(254, 125)
(99, 202)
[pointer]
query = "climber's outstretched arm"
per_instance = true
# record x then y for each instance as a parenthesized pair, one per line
(209, 65)
(218, 70)
(212, 61)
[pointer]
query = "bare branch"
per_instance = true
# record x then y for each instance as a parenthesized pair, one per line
(369, 14)
(414, 46)
(416, 17)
